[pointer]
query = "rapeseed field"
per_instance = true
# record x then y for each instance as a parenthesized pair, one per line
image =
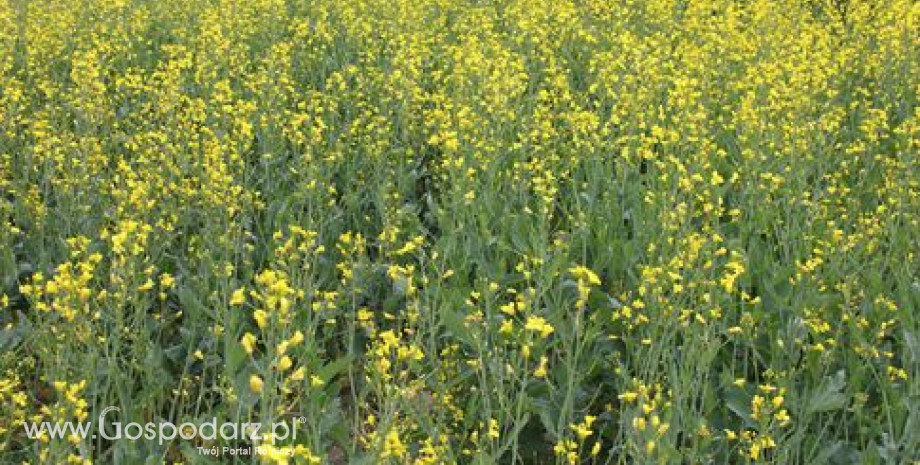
(461, 231)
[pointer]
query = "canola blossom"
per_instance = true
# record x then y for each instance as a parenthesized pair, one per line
(462, 231)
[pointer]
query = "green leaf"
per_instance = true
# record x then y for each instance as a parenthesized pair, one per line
(333, 368)
(453, 321)
(191, 305)
(828, 396)
(739, 403)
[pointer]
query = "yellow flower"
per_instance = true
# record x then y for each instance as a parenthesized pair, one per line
(493, 428)
(393, 445)
(583, 430)
(596, 449)
(261, 318)
(540, 372)
(255, 383)
(248, 341)
(540, 325)
(639, 423)
(166, 280)
(316, 381)
(285, 363)
(238, 297)
(585, 274)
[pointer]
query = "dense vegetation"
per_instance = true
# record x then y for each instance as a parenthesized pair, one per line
(464, 231)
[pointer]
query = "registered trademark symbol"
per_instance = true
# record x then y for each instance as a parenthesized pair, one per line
(301, 420)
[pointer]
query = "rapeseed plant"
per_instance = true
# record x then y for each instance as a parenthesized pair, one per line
(450, 231)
